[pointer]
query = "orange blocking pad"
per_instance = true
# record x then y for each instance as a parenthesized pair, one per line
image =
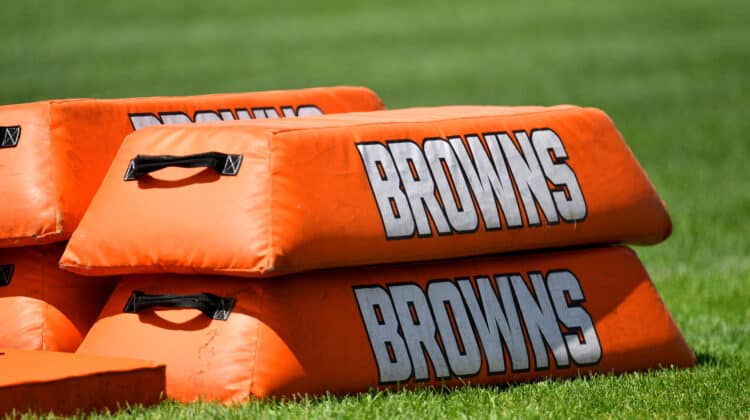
(54, 154)
(365, 188)
(43, 307)
(65, 383)
(487, 320)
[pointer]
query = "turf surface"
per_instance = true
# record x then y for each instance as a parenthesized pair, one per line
(673, 75)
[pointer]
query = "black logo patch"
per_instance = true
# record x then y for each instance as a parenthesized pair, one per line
(232, 165)
(6, 272)
(9, 136)
(129, 172)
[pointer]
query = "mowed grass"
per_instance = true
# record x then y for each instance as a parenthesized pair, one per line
(673, 75)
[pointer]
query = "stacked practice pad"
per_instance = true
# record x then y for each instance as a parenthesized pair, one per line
(53, 155)
(313, 208)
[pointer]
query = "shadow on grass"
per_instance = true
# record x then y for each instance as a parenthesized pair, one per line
(707, 359)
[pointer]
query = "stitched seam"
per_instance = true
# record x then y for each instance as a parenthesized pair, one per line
(276, 130)
(205, 96)
(53, 176)
(35, 237)
(438, 120)
(45, 306)
(183, 269)
(259, 320)
(269, 256)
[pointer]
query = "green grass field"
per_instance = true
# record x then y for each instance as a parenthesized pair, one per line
(674, 76)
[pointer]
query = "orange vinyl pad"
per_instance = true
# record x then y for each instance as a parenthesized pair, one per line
(43, 307)
(367, 188)
(488, 320)
(66, 383)
(54, 154)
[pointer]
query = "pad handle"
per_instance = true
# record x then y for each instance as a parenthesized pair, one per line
(214, 307)
(222, 163)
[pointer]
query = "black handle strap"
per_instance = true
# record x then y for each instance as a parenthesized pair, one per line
(9, 136)
(215, 307)
(6, 273)
(222, 163)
